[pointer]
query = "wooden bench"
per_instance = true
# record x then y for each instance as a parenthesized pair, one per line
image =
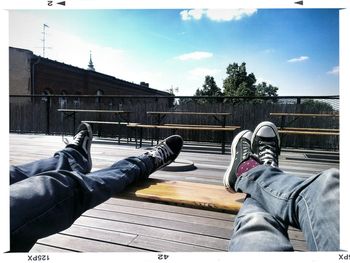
(305, 131)
(308, 131)
(109, 123)
(175, 127)
(199, 195)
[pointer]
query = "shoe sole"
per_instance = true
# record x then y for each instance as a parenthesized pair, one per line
(233, 155)
(269, 124)
(89, 145)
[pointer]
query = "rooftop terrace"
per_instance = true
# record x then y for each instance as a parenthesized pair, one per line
(126, 225)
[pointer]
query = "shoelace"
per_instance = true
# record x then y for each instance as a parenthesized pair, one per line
(245, 148)
(161, 153)
(78, 137)
(268, 153)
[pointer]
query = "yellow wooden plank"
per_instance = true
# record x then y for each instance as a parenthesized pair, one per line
(308, 132)
(188, 113)
(187, 193)
(304, 114)
(204, 128)
(308, 129)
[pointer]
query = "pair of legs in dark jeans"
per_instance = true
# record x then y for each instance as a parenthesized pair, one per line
(277, 200)
(47, 196)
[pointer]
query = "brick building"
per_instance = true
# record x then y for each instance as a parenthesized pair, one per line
(32, 74)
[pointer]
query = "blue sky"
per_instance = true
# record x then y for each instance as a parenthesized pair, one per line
(296, 50)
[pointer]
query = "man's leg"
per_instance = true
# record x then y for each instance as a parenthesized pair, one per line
(256, 230)
(75, 157)
(311, 205)
(50, 202)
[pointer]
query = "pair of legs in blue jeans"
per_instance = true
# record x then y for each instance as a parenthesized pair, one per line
(47, 196)
(277, 200)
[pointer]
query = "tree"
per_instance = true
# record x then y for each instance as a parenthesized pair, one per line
(238, 82)
(264, 90)
(316, 105)
(209, 88)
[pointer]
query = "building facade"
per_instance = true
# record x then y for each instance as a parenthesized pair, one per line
(32, 74)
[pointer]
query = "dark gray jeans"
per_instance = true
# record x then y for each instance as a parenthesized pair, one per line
(277, 200)
(47, 196)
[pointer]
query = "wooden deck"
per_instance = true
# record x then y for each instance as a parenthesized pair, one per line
(125, 225)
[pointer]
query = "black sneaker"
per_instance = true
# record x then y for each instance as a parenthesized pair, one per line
(266, 143)
(82, 142)
(166, 151)
(240, 151)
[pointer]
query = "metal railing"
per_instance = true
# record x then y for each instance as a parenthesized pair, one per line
(38, 114)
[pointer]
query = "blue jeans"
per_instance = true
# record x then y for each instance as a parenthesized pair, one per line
(277, 200)
(47, 196)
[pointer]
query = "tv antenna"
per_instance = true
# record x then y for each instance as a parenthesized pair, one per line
(44, 38)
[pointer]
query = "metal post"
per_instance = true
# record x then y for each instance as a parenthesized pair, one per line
(48, 102)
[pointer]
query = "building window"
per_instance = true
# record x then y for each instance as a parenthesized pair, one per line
(45, 92)
(63, 100)
(98, 93)
(76, 101)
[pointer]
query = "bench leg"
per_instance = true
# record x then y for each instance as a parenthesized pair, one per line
(140, 137)
(99, 130)
(135, 133)
(223, 142)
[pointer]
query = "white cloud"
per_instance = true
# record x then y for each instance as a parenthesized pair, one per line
(218, 15)
(197, 55)
(298, 59)
(195, 14)
(334, 71)
(202, 72)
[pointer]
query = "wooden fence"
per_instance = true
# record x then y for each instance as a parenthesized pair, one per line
(38, 114)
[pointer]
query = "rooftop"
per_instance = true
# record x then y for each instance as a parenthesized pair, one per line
(126, 225)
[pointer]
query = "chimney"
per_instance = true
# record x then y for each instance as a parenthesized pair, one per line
(144, 84)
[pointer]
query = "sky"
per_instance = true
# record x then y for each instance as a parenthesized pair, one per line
(296, 50)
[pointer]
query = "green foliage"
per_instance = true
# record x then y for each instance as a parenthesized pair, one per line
(238, 82)
(209, 88)
(317, 105)
(262, 89)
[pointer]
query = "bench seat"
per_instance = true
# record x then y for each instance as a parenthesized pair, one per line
(175, 127)
(309, 131)
(186, 127)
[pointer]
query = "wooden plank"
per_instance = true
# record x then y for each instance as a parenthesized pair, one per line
(40, 248)
(194, 194)
(107, 122)
(307, 129)
(92, 111)
(189, 113)
(203, 128)
(155, 232)
(171, 209)
(166, 245)
(198, 125)
(100, 234)
(202, 229)
(198, 220)
(84, 245)
(305, 114)
(309, 132)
